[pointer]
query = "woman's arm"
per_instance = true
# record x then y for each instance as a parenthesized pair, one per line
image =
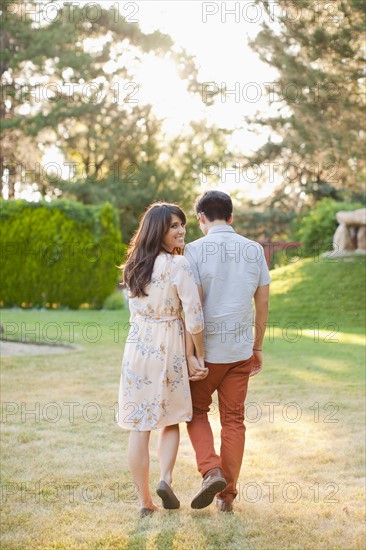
(195, 360)
(196, 365)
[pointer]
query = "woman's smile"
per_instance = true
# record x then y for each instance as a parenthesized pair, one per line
(174, 237)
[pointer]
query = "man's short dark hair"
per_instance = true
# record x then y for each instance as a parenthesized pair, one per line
(215, 205)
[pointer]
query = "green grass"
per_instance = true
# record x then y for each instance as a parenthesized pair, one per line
(315, 292)
(319, 457)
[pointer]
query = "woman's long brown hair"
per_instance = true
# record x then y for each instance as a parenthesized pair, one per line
(146, 244)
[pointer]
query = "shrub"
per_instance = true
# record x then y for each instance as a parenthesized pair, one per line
(61, 253)
(114, 301)
(316, 228)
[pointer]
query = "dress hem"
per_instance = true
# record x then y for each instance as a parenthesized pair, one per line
(153, 428)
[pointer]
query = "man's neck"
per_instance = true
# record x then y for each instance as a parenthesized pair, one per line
(209, 225)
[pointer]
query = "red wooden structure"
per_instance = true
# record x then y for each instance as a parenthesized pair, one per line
(271, 247)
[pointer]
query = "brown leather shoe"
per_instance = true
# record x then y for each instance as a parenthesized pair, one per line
(224, 505)
(213, 483)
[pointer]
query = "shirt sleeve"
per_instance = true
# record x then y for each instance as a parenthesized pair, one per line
(191, 257)
(264, 276)
(188, 293)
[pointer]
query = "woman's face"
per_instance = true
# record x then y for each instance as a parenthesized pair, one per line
(174, 237)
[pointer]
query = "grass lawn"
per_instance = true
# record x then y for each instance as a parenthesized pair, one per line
(65, 482)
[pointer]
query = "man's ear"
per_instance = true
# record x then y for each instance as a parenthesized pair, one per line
(230, 220)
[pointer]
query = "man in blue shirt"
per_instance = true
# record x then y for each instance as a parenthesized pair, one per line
(231, 272)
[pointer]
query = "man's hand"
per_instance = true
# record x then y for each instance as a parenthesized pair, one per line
(257, 362)
(196, 369)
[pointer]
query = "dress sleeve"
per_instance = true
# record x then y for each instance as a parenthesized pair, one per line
(187, 291)
(191, 257)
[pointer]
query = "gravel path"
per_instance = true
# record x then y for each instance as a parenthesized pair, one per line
(20, 348)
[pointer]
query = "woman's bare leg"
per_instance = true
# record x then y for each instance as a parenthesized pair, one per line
(139, 461)
(167, 450)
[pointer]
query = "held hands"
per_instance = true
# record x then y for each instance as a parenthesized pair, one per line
(257, 362)
(196, 368)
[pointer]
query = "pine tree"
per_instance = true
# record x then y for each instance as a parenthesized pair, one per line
(114, 147)
(318, 51)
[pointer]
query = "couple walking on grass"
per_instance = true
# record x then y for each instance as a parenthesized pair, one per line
(172, 365)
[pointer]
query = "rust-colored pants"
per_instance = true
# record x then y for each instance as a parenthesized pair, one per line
(231, 382)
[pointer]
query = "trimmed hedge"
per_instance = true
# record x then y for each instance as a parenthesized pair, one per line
(61, 253)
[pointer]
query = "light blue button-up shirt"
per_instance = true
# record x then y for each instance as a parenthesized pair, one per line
(229, 268)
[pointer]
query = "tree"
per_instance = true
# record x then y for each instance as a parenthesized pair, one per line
(153, 167)
(319, 126)
(48, 75)
(16, 150)
(114, 146)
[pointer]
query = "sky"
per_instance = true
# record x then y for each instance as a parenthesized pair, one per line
(219, 40)
(223, 55)
(217, 34)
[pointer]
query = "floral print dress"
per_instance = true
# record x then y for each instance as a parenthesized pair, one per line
(154, 386)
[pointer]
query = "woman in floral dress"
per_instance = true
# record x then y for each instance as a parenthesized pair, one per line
(154, 387)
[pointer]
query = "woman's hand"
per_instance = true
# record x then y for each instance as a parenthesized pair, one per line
(196, 368)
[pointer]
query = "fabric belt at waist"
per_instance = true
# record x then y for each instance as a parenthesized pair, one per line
(158, 319)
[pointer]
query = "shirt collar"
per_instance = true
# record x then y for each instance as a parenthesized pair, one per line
(220, 228)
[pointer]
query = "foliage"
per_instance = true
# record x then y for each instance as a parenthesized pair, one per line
(162, 169)
(285, 256)
(316, 228)
(269, 224)
(89, 107)
(58, 254)
(114, 301)
(318, 100)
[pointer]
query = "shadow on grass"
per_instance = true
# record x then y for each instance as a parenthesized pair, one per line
(202, 530)
(301, 363)
(146, 530)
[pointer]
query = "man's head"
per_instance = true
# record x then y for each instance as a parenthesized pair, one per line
(214, 208)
